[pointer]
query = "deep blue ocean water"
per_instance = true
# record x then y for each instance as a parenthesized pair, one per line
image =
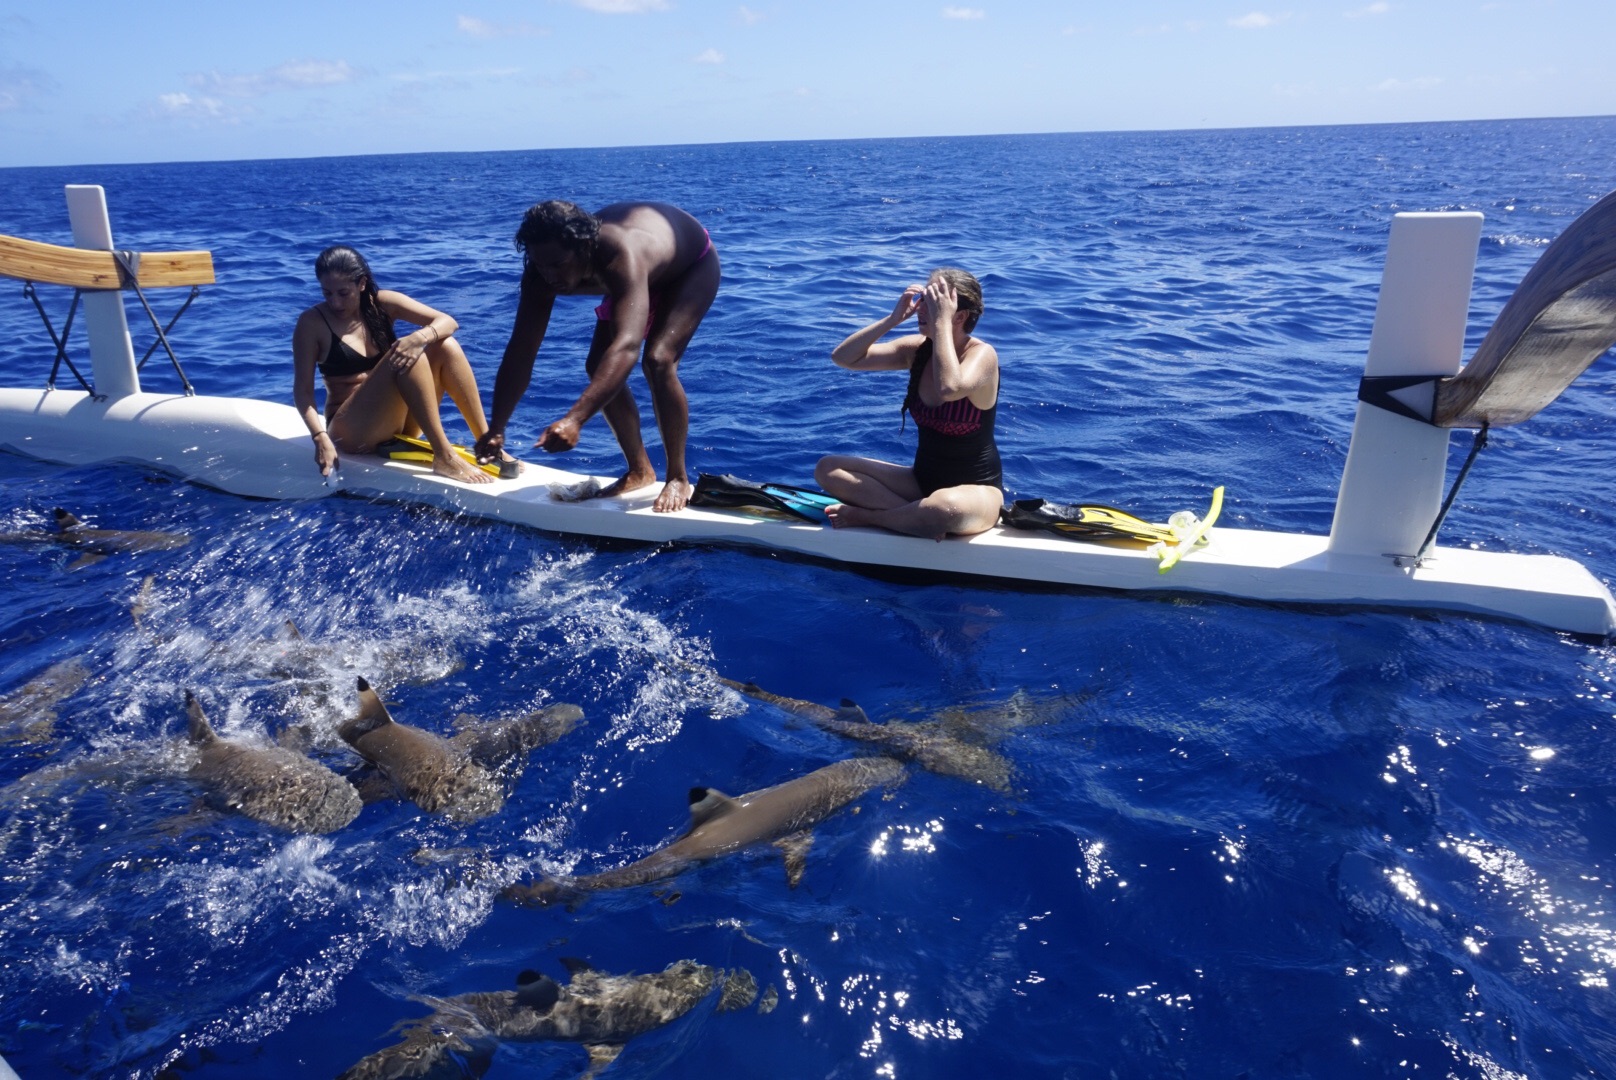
(1242, 841)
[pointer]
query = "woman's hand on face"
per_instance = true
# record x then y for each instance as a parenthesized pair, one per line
(907, 304)
(944, 302)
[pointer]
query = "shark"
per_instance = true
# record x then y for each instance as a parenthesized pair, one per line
(454, 776)
(931, 744)
(95, 544)
(721, 825)
(601, 1011)
(267, 783)
(28, 713)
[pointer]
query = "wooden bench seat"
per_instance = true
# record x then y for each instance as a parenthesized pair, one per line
(29, 260)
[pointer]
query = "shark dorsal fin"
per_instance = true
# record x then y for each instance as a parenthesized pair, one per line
(198, 730)
(576, 966)
(372, 713)
(537, 992)
(289, 631)
(707, 804)
(64, 520)
(851, 713)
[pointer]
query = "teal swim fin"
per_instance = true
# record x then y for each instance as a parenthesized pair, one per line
(733, 493)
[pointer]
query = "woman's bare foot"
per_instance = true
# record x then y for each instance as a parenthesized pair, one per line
(846, 516)
(452, 466)
(675, 496)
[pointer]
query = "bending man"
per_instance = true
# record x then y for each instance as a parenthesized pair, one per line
(658, 272)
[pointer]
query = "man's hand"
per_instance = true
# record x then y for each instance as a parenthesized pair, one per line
(491, 447)
(559, 436)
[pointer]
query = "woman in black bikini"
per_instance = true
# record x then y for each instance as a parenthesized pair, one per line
(376, 384)
(955, 486)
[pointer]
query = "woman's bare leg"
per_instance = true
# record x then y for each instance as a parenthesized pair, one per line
(381, 406)
(957, 511)
(867, 483)
(452, 373)
(887, 496)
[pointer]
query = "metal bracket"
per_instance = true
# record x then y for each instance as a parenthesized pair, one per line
(60, 342)
(1377, 390)
(129, 268)
(1420, 558)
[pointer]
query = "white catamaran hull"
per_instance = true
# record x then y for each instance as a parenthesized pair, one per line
(261, 449)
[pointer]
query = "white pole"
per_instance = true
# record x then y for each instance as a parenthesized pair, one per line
(112, 354)
(1391, 487)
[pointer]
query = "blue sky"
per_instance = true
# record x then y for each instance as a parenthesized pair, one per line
(161, 80)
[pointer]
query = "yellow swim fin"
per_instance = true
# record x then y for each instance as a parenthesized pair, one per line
(410, 448)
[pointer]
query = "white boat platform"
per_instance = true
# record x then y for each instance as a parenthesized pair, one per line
(261, 449)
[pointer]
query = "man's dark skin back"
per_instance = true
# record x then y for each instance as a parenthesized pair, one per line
(659, 273)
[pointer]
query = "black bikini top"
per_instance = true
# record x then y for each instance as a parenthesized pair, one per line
(343, 359)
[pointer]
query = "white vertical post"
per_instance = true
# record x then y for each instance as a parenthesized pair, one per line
(112, 354)
(1391, 487)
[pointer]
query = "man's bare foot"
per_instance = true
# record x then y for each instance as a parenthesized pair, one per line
(675, 496)
(455, 468)
(634, 481)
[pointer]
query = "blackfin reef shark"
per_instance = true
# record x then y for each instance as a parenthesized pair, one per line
(455, 776)
(267, 783)
(601, 1011)
(721, 825)
(95, 544)
(948, 749)
(28, 713)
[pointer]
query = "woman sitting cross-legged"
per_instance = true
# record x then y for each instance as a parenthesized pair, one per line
(955, 485)
(376, 383)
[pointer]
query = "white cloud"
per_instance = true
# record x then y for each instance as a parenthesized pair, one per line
(482, 28)
(1258, 20)
(182, 106)
(1398, 86)
(292, 75)
(622, 7)
(709, 56)
(964, 13)
(18, 85)
(1379, 7)
(748, 16)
